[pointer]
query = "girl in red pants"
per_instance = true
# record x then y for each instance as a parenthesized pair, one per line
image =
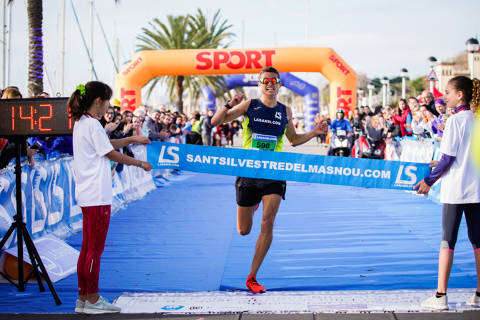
(92, 153)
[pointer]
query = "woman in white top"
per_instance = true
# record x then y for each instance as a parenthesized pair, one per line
(92, 153)
(460, 190)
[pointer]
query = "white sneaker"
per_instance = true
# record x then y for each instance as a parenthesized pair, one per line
(474, 301)
(436, 303)
(101, 306)
(79, 306)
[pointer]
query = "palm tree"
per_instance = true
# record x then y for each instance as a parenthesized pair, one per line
(35, 67)
(216, 31)
(186, 32)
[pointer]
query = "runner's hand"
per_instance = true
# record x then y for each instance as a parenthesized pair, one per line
(321, 127)
(237, 98)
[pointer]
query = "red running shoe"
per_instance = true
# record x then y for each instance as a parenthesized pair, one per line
(253, 285)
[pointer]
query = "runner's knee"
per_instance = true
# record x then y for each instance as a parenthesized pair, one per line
(243, 231)
(267, 225)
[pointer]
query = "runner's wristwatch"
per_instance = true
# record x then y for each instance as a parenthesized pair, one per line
(228, 106)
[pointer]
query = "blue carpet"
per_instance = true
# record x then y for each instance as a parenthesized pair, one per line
(182, 237)
(347, 238)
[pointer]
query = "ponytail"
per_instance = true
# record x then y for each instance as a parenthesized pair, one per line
(84, 95)
(475, 104)
(470, 89)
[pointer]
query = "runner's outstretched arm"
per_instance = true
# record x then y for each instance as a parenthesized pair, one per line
(238, 109)
(300, 138)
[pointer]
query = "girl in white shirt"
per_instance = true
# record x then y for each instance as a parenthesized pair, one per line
(92, 153)
(460, 190)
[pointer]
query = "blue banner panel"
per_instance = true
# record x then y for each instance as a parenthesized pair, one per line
(48, 195)
(366, 173)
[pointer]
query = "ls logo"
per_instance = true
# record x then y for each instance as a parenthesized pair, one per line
(172, 307)
(409, 172)
(169, 156)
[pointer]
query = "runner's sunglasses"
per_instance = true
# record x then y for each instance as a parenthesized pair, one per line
(272, 80)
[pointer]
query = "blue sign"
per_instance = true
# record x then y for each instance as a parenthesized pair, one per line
(368, 173)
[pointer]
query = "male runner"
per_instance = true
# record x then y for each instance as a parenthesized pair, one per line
(266, 123)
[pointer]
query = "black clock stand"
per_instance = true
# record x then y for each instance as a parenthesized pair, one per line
(23, 235)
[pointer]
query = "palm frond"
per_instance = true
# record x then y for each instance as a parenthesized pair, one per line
(192, 31)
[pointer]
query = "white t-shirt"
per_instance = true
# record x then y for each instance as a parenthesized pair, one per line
(92, 174)
(460, 184)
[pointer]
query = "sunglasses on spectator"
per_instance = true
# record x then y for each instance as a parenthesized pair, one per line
(272, 80)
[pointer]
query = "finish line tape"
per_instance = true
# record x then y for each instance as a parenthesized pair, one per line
(367, 173)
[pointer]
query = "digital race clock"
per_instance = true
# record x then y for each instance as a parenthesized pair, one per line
(35, 117)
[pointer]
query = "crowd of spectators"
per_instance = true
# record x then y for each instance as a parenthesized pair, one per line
(163, 125)
(156, 123)
(422, 117)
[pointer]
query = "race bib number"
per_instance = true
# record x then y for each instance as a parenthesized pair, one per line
(263, 142)
(341, 132)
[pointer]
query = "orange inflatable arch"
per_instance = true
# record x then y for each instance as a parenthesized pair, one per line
(152, 63)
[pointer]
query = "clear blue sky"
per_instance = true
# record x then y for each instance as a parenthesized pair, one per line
(375, 37)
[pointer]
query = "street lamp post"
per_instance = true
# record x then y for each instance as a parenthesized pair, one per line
(385, 82)
(432, 61)
(370, 88)
(404, 75)
(91, 39)
(472, 47)
(388, 92)
(359, 97)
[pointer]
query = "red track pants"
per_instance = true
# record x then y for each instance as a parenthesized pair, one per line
(96, 220)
